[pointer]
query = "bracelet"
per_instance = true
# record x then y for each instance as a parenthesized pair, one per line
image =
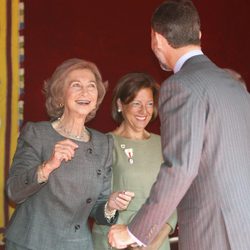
(41, 177)
(108, 215)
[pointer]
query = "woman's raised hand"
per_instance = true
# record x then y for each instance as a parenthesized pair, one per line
(63, 151)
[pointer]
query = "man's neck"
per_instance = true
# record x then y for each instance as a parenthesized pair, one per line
(178, 53)
(179, 56)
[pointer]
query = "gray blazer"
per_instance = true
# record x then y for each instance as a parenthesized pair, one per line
(205, 129)
(55, 215)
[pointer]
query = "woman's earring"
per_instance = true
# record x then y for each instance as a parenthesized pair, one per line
(61, 105)
(119, 110)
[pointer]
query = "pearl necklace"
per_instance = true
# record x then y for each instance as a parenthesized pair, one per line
(84, 136)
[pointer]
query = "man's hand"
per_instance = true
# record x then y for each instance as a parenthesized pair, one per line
(119, 237)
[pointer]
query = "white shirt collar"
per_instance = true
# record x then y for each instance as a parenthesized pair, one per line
(185, 57)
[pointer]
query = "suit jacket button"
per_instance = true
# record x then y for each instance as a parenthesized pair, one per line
(99, 171)
(90, 150)
(77, 227)
(88, 200)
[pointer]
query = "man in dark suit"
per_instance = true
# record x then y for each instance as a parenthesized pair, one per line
(205, 129)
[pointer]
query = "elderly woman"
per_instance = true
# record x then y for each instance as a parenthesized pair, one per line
(137, 153)
(61, 171)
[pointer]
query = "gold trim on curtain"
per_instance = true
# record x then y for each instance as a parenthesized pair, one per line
(9, 94)
(3, 96)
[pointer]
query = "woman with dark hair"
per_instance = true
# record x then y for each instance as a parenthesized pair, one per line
(137, 153)
(61, 171)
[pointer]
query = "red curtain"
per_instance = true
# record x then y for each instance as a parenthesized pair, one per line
(116, 36)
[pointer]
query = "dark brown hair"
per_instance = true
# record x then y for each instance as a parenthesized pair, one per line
(127, 88)
(178, 22)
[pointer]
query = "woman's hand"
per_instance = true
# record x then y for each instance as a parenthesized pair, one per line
(63, 151)
(119, 200)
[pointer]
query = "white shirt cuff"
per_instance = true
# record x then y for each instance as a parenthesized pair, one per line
(138, 242)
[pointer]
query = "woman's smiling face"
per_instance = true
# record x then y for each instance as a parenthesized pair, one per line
(138, 113)
(80, 92)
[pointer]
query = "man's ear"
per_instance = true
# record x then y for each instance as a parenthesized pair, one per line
(161, 41)
(152, 33)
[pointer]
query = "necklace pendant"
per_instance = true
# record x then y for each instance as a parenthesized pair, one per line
(131, 161)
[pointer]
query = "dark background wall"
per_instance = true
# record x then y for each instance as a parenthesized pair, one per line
(116, 36)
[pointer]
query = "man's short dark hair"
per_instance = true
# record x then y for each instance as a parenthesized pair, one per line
(178, 22)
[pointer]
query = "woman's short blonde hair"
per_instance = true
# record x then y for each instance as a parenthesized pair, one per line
(54, 87)
(127, 88)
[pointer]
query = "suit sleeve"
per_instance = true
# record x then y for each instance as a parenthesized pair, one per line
(98, 210)
(182, 114)
(22, 181)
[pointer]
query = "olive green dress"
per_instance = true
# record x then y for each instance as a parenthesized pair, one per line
(136, 164)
